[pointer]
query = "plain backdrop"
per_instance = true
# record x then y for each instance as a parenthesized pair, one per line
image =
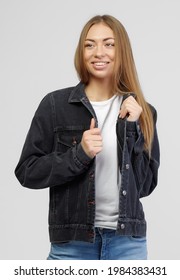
(37, 44)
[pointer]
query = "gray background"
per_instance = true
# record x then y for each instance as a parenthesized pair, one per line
(38, 40)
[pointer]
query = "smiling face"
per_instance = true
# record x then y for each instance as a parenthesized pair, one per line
(99, 51)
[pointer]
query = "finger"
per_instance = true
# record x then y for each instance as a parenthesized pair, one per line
(123, 112)
(95, 131)
(95, 137)
(130, 106)
(92, 125)
(97, 144)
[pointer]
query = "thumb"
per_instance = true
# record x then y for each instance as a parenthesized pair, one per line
(92, 125)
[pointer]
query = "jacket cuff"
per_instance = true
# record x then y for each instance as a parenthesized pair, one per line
(81, 157)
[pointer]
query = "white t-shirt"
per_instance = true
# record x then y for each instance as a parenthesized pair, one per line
(107, 175)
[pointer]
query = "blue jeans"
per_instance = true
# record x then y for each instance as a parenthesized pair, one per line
(107, 246)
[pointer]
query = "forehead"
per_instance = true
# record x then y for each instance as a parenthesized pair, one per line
(100, 30)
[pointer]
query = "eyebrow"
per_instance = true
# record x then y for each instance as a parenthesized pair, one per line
(105, 39)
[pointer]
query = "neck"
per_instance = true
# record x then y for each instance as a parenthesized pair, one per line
(98, 90)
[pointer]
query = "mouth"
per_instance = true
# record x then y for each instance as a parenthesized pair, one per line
(100, 63)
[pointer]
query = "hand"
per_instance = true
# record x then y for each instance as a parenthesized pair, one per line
(131, 108)
(92, 140)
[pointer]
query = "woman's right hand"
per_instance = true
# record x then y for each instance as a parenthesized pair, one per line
(92, 140)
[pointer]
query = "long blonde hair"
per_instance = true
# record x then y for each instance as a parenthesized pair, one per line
(125, 78)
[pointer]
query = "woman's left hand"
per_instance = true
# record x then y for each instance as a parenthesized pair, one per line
(131, 108)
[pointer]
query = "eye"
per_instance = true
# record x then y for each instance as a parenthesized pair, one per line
(89, 45)
(109, 44)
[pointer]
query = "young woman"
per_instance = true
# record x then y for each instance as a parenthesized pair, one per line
(95, 147)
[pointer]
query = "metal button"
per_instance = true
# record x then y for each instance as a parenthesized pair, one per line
(122, 226)
(74, 142)
(127, 166)
(91, 202)
(124, 193)
(100, 229)
(91, 174)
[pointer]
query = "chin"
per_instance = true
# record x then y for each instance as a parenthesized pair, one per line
(101, 76)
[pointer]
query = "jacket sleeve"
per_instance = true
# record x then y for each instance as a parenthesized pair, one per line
(145, 166)
(40, 166)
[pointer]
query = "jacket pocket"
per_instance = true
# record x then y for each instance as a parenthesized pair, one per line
(137, 238)
(69, 136)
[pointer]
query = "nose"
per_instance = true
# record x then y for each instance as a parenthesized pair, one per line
(99, 51)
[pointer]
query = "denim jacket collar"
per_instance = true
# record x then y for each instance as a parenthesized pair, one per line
(77, 94)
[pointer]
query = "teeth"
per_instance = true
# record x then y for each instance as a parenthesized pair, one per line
(100, 63)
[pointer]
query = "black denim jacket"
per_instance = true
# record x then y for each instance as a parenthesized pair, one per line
(53, 157)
